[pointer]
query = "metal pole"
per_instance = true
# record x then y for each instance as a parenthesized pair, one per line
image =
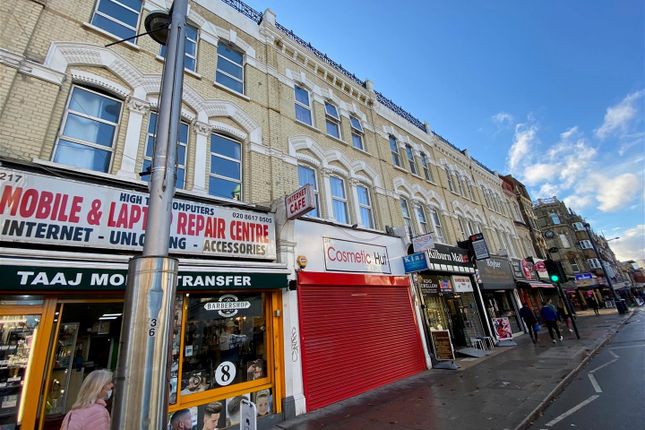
(143, 371)
(602, 266)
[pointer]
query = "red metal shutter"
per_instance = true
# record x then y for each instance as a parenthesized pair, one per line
(357, 333)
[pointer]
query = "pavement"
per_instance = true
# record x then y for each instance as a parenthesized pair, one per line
(505, 390)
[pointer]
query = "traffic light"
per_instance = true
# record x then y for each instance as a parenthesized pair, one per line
(555, 271)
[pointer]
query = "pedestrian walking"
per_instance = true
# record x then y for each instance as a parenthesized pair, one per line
(591, 300)
(89, 411)
(531, 322)
(550, 318)
(565, 317)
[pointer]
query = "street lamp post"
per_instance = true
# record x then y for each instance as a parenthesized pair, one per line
(143, 372)
(602, 266)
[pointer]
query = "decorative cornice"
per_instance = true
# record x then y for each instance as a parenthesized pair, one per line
(137, 105)
(202, 128)
(30, 68)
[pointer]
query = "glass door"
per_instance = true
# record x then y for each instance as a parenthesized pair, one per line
(24, 332)
(85, 338)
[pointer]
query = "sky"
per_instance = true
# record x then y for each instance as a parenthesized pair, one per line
(550, 91)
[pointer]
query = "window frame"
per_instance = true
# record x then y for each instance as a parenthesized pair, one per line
(451, 185)
(425, 165)
(342, 199)
(409, 153)
(332, 121)
(308, 107)
(315, 189)
(554, 218)
(151, 135)
(96, 146)
(104, 15)
(437, 226)
(358, 133)
(368, 207)
(422, 220)
(215, 175)
(394, 151)
(162, 49)
(220, 57)
(404, 204)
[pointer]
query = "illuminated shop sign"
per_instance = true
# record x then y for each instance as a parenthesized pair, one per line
(48, 210)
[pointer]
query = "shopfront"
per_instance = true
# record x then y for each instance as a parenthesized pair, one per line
(357, 326)
(448, 297)
(61, 307)
(531, 289)
(499, 294)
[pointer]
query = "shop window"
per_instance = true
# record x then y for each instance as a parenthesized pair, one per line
(307, 175)
(226, 168)
(88, 131)
(190, 49)
(230, 68)
(182, 143)
(224, 342)
(117, 17)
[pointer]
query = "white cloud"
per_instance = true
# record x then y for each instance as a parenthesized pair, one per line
(618, 117)
(533, 174)
(631, 245)
(578, 202)
(523, 144)
(616, 193)
(502, 119)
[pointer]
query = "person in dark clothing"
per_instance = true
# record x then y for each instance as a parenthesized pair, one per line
(550, 318)
(529, 319)
(591, 300)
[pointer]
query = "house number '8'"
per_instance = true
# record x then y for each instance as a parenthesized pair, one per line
(153, 327)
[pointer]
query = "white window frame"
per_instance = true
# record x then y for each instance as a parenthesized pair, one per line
(451, 184)
(425, 164)
(332, 121)
(437, 226)
(555, 218)
(594, 263)
(422, 219)
(316, 213)
(221, 57)
(358, 133)
(574, 265)
(195, 42)
(578, 226)
(300, 104)
(404, 204)
(116, 20)
(341, 199)
(412, 162)
(366, 207)
(88, 144)
(585, 244)
(150, 139)
(394, 151)
(224, 157)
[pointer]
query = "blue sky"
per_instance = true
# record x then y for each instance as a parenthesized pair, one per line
(550, 91)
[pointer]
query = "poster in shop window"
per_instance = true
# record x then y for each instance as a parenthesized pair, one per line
(502, 328)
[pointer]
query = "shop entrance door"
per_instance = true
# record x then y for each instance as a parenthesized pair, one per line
(455, 310)
(24, 338)
(85, 337)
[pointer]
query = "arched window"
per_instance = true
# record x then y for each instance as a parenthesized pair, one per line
(89, 129)
(339, 199)
(225, 178)
(182, 144)
(307, 175)
(230, 67)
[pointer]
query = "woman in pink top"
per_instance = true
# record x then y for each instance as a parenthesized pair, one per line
(89, 412)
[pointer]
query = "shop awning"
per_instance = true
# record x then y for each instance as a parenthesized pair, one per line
(534, 284)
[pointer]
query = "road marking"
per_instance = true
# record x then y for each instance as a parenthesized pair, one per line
(572, 411)
(596, 387)
(613, 354)
(642, 345)
(601, 366)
